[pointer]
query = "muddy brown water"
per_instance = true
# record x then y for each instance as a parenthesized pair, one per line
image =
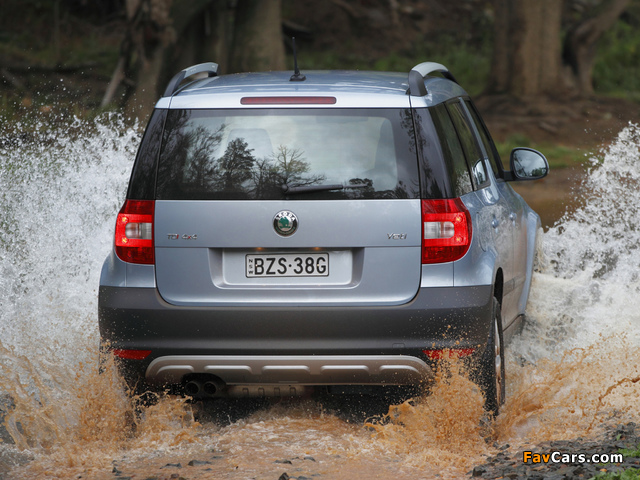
(444, 434)
(569, 374)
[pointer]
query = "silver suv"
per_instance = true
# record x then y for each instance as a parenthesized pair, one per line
(339, 232)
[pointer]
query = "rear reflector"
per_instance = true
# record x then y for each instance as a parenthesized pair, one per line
(446, 230)
(288, 100)
(448, 353)
(134, 232)
(131, 354)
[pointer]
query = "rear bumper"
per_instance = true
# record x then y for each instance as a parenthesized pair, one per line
(291, 369)
(316, 342)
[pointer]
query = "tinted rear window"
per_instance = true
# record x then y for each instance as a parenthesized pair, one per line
(143, 176)
(469, 144)
(452, 151)
(259, 154)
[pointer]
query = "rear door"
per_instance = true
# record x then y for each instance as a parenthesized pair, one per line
(288, 207)
(496, 210)
(516, 221)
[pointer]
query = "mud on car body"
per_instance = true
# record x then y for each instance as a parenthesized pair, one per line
(338, 233)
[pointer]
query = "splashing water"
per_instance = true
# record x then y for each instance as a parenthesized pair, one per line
(591, 258)
(583, 337)
(60, 189)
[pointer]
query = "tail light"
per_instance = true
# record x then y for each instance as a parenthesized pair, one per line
(446, 230)
(134, 232)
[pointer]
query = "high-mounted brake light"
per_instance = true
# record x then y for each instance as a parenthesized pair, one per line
(288, 100)
(134, 232)
(446, 230)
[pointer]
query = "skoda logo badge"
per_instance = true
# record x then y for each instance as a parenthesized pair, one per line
(285, 223)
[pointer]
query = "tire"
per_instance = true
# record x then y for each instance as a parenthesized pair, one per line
(491, 369)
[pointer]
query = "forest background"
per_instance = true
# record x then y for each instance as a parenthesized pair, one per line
(562, 76)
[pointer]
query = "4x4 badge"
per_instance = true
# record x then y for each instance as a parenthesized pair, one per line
(285, 223)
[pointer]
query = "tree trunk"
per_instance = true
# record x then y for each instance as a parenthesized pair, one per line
(526, 59)
(218, 35)
(204, 29)
(154, 30)
(116, 78)
(149, 31)
(201, 30)
(257, 43)
(580, 42)
(145, 93)
(151, 53)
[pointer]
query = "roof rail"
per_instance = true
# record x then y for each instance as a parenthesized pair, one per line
(420, 71)
(172, 87)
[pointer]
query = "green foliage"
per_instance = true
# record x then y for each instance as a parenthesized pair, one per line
(627, 452)
(469, 64)
(559, 156)
(629, 474)
(617, 68)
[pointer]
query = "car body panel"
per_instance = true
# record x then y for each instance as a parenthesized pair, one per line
(356, 235)
(351, 89)
(141, 318)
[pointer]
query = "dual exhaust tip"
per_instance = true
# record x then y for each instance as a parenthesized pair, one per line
(204, 386)
(201, 388)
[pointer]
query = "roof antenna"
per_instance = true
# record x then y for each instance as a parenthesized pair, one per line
(297, 76)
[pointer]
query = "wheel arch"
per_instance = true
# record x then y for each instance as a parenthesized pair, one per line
(498, 285)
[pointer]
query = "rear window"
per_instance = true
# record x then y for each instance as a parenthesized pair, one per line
(271, 154)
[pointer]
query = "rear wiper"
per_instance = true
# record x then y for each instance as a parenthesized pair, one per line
(319, 188)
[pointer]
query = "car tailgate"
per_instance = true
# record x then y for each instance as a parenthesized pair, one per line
(347, 252)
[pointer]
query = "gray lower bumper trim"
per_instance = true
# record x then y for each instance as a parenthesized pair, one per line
(293, 369)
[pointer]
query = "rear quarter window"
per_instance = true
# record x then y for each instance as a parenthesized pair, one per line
(452, 151)
(489, 146)
(469, 143)
(143, 176)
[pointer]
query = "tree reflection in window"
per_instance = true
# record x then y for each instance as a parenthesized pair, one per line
(235, 166)
(238, 173)
(287, 166)
(200, 172)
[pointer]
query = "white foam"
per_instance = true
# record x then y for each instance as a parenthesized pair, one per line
(588, 289)
(61, 189)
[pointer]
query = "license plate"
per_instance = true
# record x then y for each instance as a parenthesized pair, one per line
(287, 265)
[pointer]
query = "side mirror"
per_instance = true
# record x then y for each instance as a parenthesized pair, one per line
(528, 164)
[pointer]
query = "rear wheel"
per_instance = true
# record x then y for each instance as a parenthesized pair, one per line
(491, 369)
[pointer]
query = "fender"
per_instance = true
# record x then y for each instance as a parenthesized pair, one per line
(534, 235)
